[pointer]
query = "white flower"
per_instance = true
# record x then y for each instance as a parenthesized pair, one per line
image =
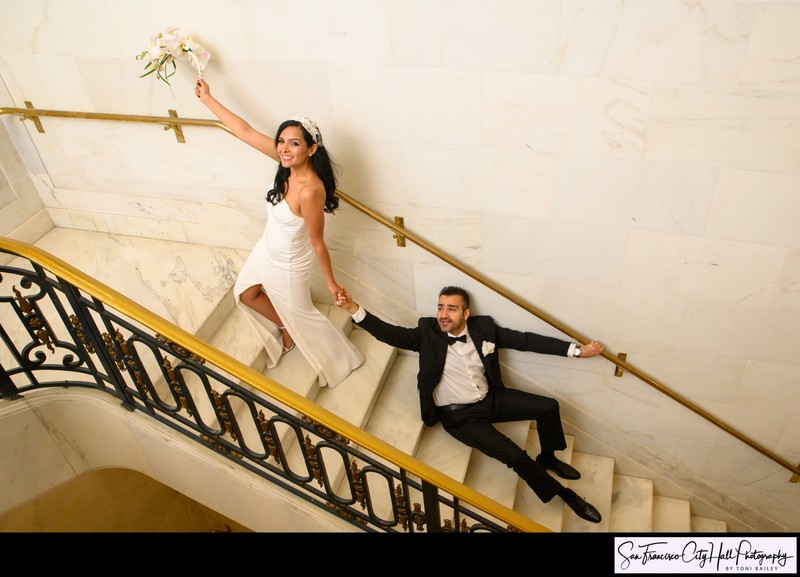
(169, 46)
(487, 348)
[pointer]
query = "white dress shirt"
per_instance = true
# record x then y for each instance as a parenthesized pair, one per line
(464, 379)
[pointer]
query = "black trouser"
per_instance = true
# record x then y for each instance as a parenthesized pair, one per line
(473, 426)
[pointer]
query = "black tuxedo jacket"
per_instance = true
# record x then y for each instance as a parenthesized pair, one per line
(431, 343)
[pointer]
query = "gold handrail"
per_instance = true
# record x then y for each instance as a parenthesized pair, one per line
(173, 122)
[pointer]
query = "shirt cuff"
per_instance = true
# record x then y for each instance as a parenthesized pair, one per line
(359, 315)
(571, 351)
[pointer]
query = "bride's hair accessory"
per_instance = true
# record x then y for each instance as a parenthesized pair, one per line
(311, 127)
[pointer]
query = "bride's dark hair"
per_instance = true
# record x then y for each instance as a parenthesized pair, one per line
(321, 163)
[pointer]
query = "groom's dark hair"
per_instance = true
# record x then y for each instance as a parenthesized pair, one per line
(449, 291)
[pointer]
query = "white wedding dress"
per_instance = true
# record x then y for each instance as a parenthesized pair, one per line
(281, 262)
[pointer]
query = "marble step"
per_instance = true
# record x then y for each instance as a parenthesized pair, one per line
(491, 477)
(631, 505)
(550, 515)
(237, 338)
(355, 397)
(706, 525)
(444, 453)
(395, 420)
(671, 515)
(595, 485)
(352, 400)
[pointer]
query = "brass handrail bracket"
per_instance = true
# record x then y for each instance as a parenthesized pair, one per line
(618, 371)
(401, 240)
(33, 117)
(176, 127)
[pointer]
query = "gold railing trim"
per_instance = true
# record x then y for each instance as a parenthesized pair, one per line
(266, 385)
(169, 122)
(572, 333)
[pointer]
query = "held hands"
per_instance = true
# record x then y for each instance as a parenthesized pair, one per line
(591, 349)
(344, 300)
(335, 290)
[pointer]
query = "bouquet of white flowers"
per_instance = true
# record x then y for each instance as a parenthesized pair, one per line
(168, 46)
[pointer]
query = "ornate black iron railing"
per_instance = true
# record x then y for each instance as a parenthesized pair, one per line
(57, 333)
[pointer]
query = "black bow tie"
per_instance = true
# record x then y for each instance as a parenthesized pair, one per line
(451, 340)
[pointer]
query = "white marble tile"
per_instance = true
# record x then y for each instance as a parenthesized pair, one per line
(373, 168)
(441, 107)
(219, 26)
(546, 249)
(489, 180)
(670, 41)
(36, 78)
(6, 192)
(750, 332)
(789, 444)
(693, 429)
(772, 47)
(702, 268)
(731, 464)
(693, 374)
(31, 462)
(524, 34)
(264, 93)
(764, 425)
(40, 27)
(727, 127)
(332, 32)
(746, 200)
(768, 386)
(786, 294)
(636, 195)
(33, 228)
(442, 232)
(560, 114)
(646, 318)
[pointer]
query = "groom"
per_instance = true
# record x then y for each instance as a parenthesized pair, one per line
(459, 383)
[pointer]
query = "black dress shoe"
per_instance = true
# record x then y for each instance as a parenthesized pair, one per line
(560, 468)
(583, 509)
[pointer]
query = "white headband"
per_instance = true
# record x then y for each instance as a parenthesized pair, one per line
(311, 128)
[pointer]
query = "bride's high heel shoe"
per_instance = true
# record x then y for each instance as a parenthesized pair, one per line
(286, 350)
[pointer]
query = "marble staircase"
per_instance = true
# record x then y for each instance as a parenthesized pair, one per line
(380, 396)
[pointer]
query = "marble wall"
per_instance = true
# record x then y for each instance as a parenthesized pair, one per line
(630, 167)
